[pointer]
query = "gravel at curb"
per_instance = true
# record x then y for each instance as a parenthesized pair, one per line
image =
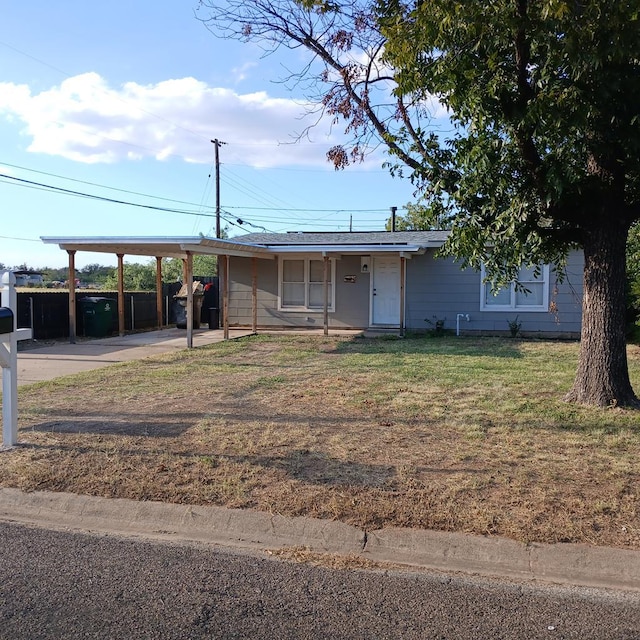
(575, 564)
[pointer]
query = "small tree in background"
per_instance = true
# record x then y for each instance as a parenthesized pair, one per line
(203, 266)
(142, 277)
(136, 276)
(420, 218)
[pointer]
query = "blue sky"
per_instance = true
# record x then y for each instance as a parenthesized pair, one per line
(121, 100)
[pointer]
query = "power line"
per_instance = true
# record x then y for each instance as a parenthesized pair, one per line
(94, 184)
(102, 198)
(302, 210)
(228, 218)
(148, 195)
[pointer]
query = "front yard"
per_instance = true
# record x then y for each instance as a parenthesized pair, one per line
(457, 434)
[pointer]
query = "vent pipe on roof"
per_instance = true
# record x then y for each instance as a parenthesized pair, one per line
(393, 218)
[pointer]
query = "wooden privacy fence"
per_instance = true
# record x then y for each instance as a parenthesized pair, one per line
(47, 312)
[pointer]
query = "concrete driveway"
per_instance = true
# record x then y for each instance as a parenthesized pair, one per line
(62, 359)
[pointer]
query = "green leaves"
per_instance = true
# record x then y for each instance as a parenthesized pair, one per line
(545, 98)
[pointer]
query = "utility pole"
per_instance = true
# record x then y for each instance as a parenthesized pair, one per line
(217, 144)
(225, 322)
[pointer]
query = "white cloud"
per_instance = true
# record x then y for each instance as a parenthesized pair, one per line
(242, 73)
(86, 120)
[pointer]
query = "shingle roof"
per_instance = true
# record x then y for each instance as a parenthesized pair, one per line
(345, 238)
(261, 245)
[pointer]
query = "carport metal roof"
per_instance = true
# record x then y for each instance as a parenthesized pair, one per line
(163, 246)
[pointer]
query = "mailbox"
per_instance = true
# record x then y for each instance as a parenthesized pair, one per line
(6, 320)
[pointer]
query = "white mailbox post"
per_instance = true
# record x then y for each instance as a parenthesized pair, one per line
(9, 336)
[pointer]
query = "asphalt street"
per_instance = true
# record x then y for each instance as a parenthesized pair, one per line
(58, 584)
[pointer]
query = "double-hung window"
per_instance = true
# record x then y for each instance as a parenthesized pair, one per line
(302, 284)
(531, 293)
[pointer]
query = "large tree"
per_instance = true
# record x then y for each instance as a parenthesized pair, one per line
(544, 154)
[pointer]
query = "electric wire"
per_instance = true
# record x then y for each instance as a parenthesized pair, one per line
(103, 198)
(148, 195)
(70, 192)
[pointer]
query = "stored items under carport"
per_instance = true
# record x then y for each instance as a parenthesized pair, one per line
(181, 305)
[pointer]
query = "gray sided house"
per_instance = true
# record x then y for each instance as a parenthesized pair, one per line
(391, 281)
(377, 281)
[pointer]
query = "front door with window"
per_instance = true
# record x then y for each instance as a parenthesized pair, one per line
(385, 291)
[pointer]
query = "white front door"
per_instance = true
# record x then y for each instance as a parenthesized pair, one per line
(385, 291)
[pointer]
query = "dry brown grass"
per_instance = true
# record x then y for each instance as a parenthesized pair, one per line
(442, 433)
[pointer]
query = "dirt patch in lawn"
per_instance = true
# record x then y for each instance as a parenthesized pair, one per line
(453, 434)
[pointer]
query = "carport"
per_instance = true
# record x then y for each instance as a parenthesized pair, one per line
(183, 248)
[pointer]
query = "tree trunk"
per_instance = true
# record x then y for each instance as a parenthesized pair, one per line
(603, 375)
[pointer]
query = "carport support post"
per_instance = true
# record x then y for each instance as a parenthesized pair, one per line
(325, 282)
(188, 267)
(120, 294)
(159, 291)
(184, 270)
(72, 296)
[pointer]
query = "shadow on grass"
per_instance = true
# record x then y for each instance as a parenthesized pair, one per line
(319, 468)
(429, 344)
(125, 426)
(169, 424)
(314, 467)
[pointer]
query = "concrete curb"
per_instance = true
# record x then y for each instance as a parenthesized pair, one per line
(574, 564)
(234, 527)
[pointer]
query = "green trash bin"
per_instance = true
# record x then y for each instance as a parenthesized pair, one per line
(97, 316)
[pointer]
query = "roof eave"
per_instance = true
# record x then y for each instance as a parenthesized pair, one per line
(349, 248)
(227, 248)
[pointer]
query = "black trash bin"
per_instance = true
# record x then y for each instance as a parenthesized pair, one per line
(214, 318)
(97, 315)
(180, 310)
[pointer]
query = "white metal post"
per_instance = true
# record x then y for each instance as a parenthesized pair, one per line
(9, 361)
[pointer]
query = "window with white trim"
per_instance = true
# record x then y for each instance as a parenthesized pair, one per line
(531, 294)
(301, 284)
